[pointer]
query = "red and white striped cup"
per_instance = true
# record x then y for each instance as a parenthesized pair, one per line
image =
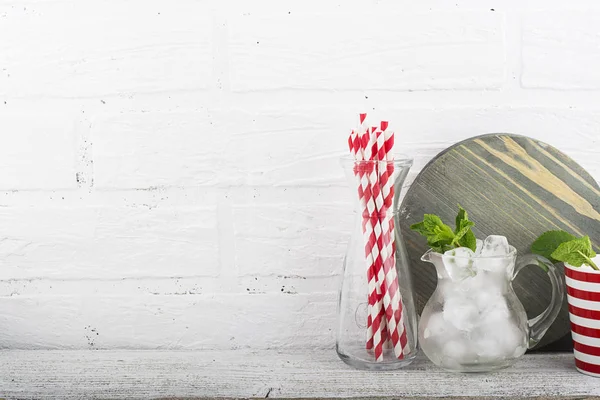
(583, 295)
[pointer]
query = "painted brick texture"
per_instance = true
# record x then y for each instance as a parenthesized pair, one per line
(169, 171)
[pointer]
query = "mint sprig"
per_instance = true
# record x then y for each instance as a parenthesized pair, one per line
(548, 242)
(560, 246)
(576, 252)
(464, 236)
(441, 237)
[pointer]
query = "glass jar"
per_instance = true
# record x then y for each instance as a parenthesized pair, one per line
(377, 322)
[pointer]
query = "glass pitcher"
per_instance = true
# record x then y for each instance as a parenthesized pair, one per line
(376, 313)
(474, 321)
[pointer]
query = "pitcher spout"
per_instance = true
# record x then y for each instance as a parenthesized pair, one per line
(427, 256)
(437, 260)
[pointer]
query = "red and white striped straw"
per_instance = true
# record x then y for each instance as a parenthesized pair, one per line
(375, 315)
(376, 192)
(394, 314)
(385, 276)
(378, 249)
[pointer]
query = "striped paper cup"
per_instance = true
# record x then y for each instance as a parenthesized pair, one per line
(583, 295)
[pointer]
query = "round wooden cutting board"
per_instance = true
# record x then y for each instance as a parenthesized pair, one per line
(510, 185)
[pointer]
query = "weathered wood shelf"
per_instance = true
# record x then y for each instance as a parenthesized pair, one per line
(246, 373)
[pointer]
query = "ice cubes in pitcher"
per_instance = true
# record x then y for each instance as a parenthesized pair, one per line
(495, 246)
(459, 263)
(494, 256)
(474, 325)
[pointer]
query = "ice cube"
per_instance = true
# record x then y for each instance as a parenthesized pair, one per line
(501, 337)
(495, 266)
(458, 351)
(519, 351)
(461, 312)
(495, 245)
(479, 247)
(459, 263)
(435, 325)
(511, 338)
(487, 349)
(491, 256)
(491, 304)
(480, 282)
(432, 347)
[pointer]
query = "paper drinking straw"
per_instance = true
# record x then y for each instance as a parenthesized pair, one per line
(374, 169)
(394, 313)
(375, 316)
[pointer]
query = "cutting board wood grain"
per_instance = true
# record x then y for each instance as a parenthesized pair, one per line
(511, 185)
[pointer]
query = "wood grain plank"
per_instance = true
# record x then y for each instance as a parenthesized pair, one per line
(513, 186)
(253, 374)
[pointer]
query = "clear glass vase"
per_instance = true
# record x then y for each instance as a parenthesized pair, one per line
(377, 322)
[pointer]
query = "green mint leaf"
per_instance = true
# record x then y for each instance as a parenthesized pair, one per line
(438, 248)
(469, 240)
(419, 227)
(442, 233)
(427, 226)
(439, 235)
(434, 223)
(430, 225)
(460, 217)
(463, 229)
(548, 242)
(575, 252)
(464, 236)
(441, 238)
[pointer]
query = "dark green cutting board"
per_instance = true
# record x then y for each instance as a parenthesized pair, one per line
(513, 186)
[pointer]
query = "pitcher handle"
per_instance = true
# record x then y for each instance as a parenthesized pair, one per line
(540, 324)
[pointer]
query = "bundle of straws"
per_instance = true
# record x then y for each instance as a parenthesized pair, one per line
(374, 171)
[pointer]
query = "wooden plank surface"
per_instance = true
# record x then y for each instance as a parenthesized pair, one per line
(513, 186)
(244, 373)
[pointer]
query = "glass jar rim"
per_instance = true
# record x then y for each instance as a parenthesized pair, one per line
(400, 160)
(511, 254)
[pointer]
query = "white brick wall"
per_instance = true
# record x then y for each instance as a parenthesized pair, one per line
(38, 151)
(169, 171)
(151, 149)
(327, 51)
